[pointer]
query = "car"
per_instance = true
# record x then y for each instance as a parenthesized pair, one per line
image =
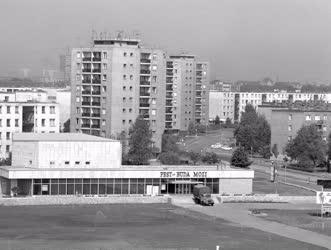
(226, 148)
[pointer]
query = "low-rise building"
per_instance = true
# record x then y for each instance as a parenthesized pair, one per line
(80, 164)
(286, 119)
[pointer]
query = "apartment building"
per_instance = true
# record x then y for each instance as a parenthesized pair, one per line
(30, 116)
(186, 92)
(113, 82)
(222, 104)
(286, 119)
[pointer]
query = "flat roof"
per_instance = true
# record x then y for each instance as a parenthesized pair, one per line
(58, 137)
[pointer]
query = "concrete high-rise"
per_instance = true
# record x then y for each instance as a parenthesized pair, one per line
(186, 92)
(113, 82)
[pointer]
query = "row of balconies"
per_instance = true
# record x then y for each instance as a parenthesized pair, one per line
(89, 92)
(94, 56)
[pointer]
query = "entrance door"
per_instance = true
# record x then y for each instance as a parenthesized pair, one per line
(182, 188)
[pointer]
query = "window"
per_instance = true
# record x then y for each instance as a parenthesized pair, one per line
(52, 122)
(103, 111)
(153, 101)
(124, 65)
(324, 128)
(52, 109)
(124, 99)
(324, 138)
(104, 77)
(154, 90)
(123, 122)
(67, 162)
(325, 117)
(289, 127)
(7, 135)
(8, 122)
(52, 163)
(124, 88)
(78, 65)
(124, 77)
(308, 117)
(103, 123)
(131, 54)
(124, 54)
(7, 148)
(104, 88)
(123, 110)
(153, 111)
(8, 109)
(78, 55)
(78, 78)
(130, 110)
(43, 109)
(104, 55)
(154, 67)
(105, 66)
(77, 100)
(87, 163)
(130, 121)
(43, 122)
(317, 118)
(16, 109)
(16, 122)
(131, 77)
(77, 162)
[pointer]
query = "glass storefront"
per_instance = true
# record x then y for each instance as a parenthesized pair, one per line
(119, 186)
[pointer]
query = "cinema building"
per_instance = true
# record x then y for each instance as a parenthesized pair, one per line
(80, 164)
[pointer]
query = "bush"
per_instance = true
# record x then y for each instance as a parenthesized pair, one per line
(194, 156)
(240, 158)
(210, 158)
(169, 158)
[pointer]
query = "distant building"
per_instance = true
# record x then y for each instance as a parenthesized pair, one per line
(25, 115)
(232, 104)
(286, 119)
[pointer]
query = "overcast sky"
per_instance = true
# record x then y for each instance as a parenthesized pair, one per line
(243, 39)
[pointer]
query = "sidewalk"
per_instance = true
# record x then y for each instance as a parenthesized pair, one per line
(240, 215)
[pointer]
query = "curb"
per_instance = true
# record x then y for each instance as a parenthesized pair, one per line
(298, 186)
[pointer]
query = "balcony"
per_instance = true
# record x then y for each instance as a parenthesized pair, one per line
(86, 114)
(86, 70)
(145, 72)
(169, 95)
(96, 92)
(170, 65)
(144, 93)
(169, 88)
(96, 104)
(96, 56)
(86, 103)
(169, 80)
(85, 125)
(145, 83)
(95, 114)
(96, 70)
(96, 81)
(95, 126)
(144, 105)
(145, 60)
(86, 79)
(169, 72)
(168, 110)
(86, 92)
(168, 103)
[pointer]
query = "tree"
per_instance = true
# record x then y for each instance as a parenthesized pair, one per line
(66, 126)
(169, 143)
(217, 120)
(191, 128)
(329, 153)
(240, 158)
(275, 150)
(308, 147)
(253, 132)
(228, 122)
(200, 128)
(210, 158)
(194, 156)
(140, 143)
(169, 158)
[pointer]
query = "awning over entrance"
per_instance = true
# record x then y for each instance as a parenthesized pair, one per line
(185, 182)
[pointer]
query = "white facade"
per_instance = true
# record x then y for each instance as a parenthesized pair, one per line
(223, 103)
(43, 118)
(65, 151)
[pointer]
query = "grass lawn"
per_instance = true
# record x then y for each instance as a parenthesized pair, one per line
(305, 219)
(127, 227)
(262, 185)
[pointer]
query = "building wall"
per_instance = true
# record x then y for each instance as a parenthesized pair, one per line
(55, 154)
(286, 123)
(236, 186)
(12, 121)
(257, 98)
